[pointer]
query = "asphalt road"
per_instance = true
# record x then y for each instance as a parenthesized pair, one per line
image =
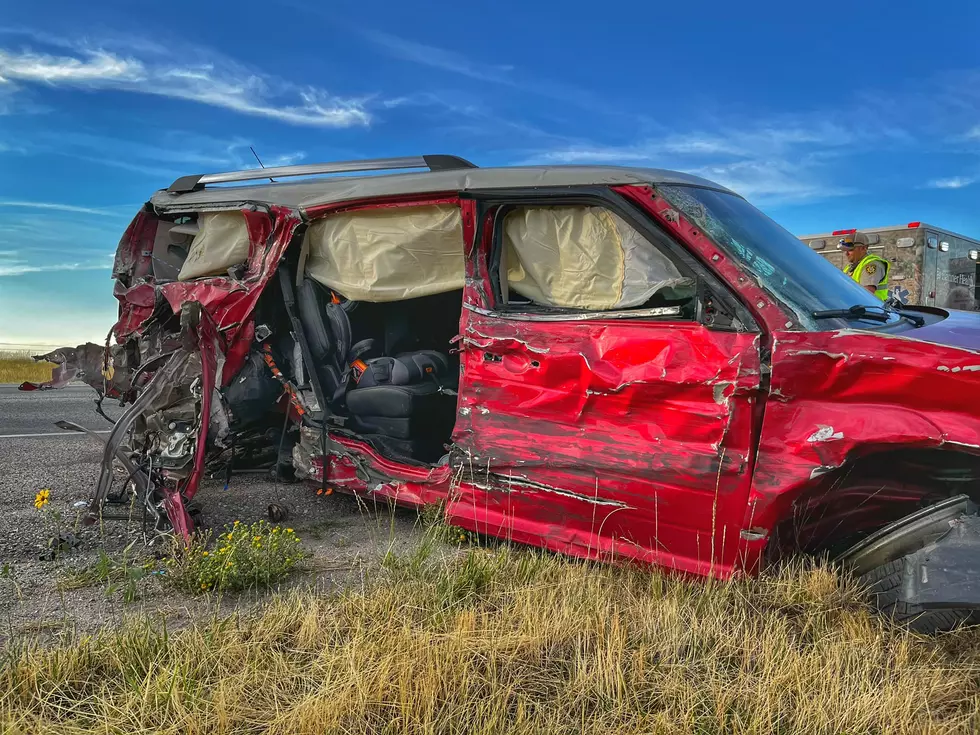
(342, 533)
(28, 414)
(34, 454)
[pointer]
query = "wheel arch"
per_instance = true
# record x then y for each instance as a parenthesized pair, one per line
(833, 511)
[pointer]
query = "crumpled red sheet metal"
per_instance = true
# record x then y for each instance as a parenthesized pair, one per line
(661, 442)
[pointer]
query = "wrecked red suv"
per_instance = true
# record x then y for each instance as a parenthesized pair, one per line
(606, 362)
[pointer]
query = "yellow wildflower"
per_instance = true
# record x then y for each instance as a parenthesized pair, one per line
(236, 523)
(42, 498)
(205, 553)
(289, 530)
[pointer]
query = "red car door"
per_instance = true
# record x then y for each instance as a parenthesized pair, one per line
(622, 430)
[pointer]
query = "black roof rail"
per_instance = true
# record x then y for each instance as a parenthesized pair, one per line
(196, 182)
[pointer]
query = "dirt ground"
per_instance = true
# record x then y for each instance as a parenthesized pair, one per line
(345, 537)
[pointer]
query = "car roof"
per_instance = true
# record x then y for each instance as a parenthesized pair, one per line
(325, 190)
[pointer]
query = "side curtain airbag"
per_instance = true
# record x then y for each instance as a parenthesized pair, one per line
(221, 242)
(582, 258)
(391, 254)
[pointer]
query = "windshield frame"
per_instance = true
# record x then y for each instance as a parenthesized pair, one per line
(807, 286)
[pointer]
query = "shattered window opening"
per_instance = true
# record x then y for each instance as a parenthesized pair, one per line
(797, 276)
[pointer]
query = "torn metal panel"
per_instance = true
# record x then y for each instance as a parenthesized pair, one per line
(229, 299)
(136, 305)
(133, 259)
(610, 429)
(520, 484)
(181, 342)
(839, 399)
(358, 469)
(209, 349)
(88, 363)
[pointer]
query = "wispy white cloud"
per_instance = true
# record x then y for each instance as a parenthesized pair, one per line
(456, 63)
(33, 232)
(772, 181)
(20, 268)
(752, 141)
(173, 153)
(218, 83)
(284, 159)
(439, 58)
(98, 67)
(18, 262)
(775, 161)
(57, 206)
(49, 249)
(953, 182)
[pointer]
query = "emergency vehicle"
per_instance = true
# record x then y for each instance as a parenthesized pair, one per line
(930, 266)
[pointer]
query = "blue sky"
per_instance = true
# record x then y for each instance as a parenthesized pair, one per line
(825, 115)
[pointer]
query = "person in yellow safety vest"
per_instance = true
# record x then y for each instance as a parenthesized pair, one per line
(870, 271)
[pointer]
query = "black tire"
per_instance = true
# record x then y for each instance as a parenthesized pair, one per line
(884, 584)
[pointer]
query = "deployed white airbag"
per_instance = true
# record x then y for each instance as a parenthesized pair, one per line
(582, 258)
(221, 242)
(388, 254)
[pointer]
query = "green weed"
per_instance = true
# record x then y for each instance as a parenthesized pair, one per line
(244, 556)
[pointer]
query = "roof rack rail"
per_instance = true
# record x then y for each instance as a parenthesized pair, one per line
(196, 182)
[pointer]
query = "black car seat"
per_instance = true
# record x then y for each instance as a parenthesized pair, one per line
(405, 403)
(328, 333)
(408, 400)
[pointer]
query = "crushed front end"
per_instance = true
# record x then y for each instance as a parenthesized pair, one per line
(188, 360)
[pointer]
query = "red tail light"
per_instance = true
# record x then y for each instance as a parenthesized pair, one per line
(843, 232)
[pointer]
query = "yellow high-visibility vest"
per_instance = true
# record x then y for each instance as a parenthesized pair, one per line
(855, 273)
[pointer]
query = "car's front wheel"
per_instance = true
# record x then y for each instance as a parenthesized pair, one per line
(924, 570)
(884, 584)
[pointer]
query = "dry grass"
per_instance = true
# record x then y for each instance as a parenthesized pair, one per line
(16, 367)
(510, 642)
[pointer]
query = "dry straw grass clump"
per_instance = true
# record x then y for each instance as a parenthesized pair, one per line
(505, 641)
(16, 367)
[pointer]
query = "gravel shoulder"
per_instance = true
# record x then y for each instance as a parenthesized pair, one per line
(345, 536)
